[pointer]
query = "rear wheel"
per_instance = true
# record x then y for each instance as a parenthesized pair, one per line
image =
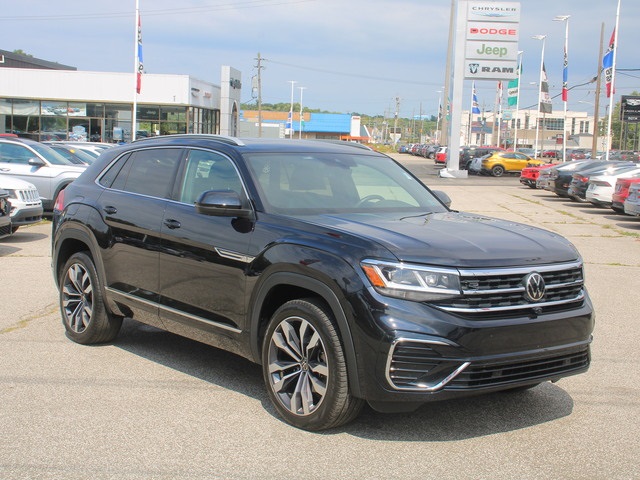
(84, 315)
(304, 368)
(497, 171)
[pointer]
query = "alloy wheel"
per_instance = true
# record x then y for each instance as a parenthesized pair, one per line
(77, 298)
(298, 366)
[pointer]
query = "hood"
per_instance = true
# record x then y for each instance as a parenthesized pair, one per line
(11, 183)
(455, 239)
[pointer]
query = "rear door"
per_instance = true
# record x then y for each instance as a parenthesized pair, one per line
(132, 208)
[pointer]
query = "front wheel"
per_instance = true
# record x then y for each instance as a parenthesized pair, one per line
(84, 315)
(304, 368)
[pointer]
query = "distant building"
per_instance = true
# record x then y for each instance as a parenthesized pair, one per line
(318, 126)
(48, 101)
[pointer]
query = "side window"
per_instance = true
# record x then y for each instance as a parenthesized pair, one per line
(10, 153)
(149, 172)
(207, 170)
(107, 179)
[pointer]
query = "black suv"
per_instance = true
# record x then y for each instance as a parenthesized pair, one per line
(328, 264)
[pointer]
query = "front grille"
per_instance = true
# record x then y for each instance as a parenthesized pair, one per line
(490, 375)
(496, 292)
(414, 365)
(28, 195)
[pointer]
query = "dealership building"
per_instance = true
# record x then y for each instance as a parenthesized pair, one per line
(48, 101)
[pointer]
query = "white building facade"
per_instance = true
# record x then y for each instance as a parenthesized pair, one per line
(98, 106)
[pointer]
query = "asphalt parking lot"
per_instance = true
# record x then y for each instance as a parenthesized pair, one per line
(156, 406)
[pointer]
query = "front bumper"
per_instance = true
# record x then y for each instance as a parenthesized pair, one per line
(434, 355)
(26, 216)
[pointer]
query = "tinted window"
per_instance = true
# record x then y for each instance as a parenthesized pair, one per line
(315, 183)
(207, 170)
(12, 153)
(149, 172)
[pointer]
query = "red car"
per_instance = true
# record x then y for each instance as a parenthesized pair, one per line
(529, 175)
(621, 192)
(441, 155)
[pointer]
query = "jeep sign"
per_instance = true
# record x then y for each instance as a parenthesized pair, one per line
(492, 50)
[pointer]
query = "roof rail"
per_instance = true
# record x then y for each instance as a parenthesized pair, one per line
(344, 142)
(205, 136)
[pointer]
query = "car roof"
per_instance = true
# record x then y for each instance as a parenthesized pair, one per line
(257, 144)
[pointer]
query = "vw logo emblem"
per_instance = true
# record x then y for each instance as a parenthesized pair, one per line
(534, 288)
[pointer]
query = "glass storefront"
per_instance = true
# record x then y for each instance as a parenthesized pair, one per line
(100, 122)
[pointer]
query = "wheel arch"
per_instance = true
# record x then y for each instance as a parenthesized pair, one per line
(281, 287)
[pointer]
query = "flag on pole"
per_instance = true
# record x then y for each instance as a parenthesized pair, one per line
(139, 58)
(565, 77)
(545, 99)
(513, 88)
(607, 64)
(475, 109)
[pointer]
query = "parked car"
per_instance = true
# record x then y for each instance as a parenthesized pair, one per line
(621, 192)
(24, 199)
(624, 155)
(499, 163)
(92, 148)
(38, 164)
(580, 179)
(529, 175)
(601, 187)
(552, 153)
(527, 151)
(5, 215)
(632, 202)
(467, 154)
(576, 154)
(330, 265)
(441, 155)
(74, 155)
(561, 175)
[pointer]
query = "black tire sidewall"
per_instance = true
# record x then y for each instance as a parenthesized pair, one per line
(337, 386)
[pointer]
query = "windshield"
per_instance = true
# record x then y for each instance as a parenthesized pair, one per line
(332, 183)
(50, 155)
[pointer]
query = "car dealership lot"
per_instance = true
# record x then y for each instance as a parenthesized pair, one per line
(154, 405)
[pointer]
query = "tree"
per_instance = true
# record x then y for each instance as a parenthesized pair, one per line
(22, 52)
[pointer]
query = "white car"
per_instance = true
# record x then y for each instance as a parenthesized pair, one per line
(601, 188)
(26, 206)
(632, 203)
(39, 164)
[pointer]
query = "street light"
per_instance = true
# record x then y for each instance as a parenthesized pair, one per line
(565, 80)
(535, 146)
(301, 119)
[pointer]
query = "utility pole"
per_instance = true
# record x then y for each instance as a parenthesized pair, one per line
(395, 121)
(259, 67)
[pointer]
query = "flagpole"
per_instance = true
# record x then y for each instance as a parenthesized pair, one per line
(535, 146)
(473, 92)
(515, 129)
(613, 78)
(135, 73)
(565, 81)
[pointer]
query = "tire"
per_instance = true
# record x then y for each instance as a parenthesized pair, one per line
(497, 171)
(304, 368)
(84, 315)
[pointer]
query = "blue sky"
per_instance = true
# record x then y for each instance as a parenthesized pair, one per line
(350, 55)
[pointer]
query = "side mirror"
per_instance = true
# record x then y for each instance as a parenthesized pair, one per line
(36, 162)
(443, 197)
(222, 203)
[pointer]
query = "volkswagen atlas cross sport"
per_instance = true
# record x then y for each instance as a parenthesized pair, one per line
(330, 265)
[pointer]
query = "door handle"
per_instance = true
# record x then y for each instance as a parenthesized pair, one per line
(172, 224)
(110, 210)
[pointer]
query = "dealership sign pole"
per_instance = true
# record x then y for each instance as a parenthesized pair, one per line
(486, 49)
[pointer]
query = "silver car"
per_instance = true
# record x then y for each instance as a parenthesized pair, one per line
(632, 203)
(38, 164)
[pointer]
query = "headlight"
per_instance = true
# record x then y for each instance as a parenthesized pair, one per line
(412, 282)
